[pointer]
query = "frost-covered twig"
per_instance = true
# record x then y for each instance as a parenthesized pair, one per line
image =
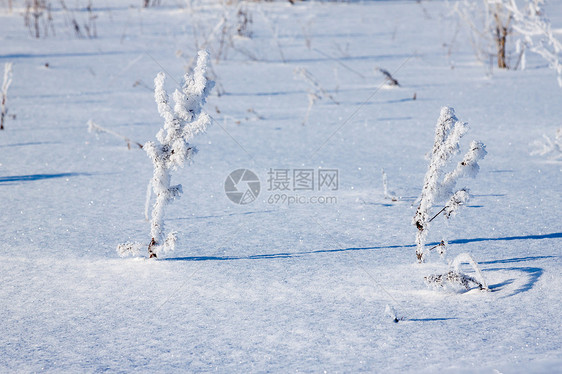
(181, 123)
(456, 276)
(452, 277)
(5, 85)
(94, 128)
(448, 133)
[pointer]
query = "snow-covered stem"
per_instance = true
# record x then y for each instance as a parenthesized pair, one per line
(5, 85)
(468, 167)
(147, 201)
(448, 132)
(94, 128)
(182, 122)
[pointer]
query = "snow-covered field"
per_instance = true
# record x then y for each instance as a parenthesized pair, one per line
(271, 286)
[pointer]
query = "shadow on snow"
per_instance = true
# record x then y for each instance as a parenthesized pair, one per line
(35, 177)
(532, 273)
(300, 254)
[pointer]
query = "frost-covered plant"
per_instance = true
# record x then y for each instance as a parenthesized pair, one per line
(535, 34)
(5, 85)
(440, 186)
(496, 24)
(94, 128)
(456, 277)
(548, 146)
(490, 26)
(181, 123)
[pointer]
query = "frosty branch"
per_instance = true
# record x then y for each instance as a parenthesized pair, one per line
(456, 276)
(439, 186)
(181, 123)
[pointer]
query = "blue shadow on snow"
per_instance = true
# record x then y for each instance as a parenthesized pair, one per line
(300, 254)
(533, 273)
(35, 177)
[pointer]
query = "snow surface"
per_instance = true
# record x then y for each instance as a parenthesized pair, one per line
(269, 287)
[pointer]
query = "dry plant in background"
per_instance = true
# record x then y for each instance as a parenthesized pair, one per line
(505, 29)
(94, 128)
(83, 29)
(148, 3)
(315, 90)
(38, 18)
